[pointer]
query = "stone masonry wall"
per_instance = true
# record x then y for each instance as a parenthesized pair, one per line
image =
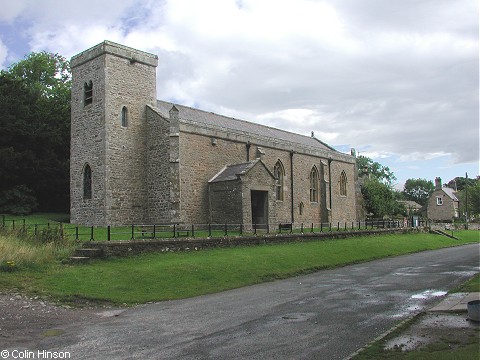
(445, 211)
(204, 154)
(158, 161)
(122, 77)
(88, 143)
(225, 202)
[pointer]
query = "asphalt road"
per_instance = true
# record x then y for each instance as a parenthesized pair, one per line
(325, 315)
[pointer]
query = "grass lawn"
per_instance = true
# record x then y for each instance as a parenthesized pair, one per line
(157, 277)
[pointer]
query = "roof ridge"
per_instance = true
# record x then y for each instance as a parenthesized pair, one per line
(328, 147)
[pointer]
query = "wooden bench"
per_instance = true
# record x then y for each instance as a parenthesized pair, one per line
(286, 226)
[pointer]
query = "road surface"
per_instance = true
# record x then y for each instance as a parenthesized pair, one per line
(325, 315)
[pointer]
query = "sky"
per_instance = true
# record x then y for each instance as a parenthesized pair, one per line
(397, 80)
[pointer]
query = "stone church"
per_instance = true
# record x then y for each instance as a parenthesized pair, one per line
(136, 159)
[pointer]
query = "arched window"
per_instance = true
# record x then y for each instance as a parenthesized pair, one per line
(343, 184)
(314, 185)
(124, 116)
(279, 173)
(87, 93)
(87, 182)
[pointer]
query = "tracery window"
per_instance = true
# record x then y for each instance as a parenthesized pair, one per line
(314, 184)
(343, 184)
(279, 173)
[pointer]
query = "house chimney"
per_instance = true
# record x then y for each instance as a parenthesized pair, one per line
(438, 183)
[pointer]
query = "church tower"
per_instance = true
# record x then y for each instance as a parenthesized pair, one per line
(111, 87)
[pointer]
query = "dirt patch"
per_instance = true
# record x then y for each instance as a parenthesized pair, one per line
(446, 330)
(26, 320)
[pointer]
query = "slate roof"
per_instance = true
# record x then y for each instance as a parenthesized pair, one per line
(209, 119)
(450, 192)
(231, 172)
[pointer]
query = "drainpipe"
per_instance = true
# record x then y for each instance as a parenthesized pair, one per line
(291, 186)
(330, 186)
(248, 144)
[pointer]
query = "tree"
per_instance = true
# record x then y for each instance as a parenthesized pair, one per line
(35, 133)
(380, 199)
(374, 170)
(418, 190)
(473, 189)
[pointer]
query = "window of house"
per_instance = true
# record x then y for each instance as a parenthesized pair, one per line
(279, 173)
(87, 182)
(124, 116)
(439, 200)
(88, 93)
(314, 185)
(343, 184)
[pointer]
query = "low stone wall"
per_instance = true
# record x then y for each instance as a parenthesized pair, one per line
(134, 247)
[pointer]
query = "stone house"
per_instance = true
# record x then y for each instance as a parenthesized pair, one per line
(136, 159)
(442, 205)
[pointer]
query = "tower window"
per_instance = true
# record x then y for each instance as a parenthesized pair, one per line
(343, 184)
(88, 93)
(314, 185)
(279, 174)
(124, 116)
(87, 182)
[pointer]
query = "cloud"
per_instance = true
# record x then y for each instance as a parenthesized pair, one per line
(399, 78)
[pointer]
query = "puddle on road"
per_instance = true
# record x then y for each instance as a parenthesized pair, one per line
(428, 294)
(416, 302)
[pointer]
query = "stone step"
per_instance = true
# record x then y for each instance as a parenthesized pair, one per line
(89, 252)
(79, 259)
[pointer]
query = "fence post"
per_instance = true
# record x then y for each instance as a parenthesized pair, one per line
(312, 228)
(255, 229)
(226, 230)
(133, 232)
(268, 228)
(330, 227)
(321, 227)
(301, 228)
(13, 224)
(209, 230)
(76, 233)
(154, 231)
(338, 226)
(193, 230)
(108, 233)
(241, 229)
(174, 230)
(91, 234)
(280, 228)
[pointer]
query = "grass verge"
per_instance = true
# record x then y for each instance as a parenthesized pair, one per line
(157, 277)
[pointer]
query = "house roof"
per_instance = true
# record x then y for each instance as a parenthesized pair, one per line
(450, 192)
(210, 119)
(233, 172)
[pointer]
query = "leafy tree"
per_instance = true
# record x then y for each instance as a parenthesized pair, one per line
(459, 183)
(418, 190)
(35, 133)
(380, 199)
(375, 170)
(473, 190)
